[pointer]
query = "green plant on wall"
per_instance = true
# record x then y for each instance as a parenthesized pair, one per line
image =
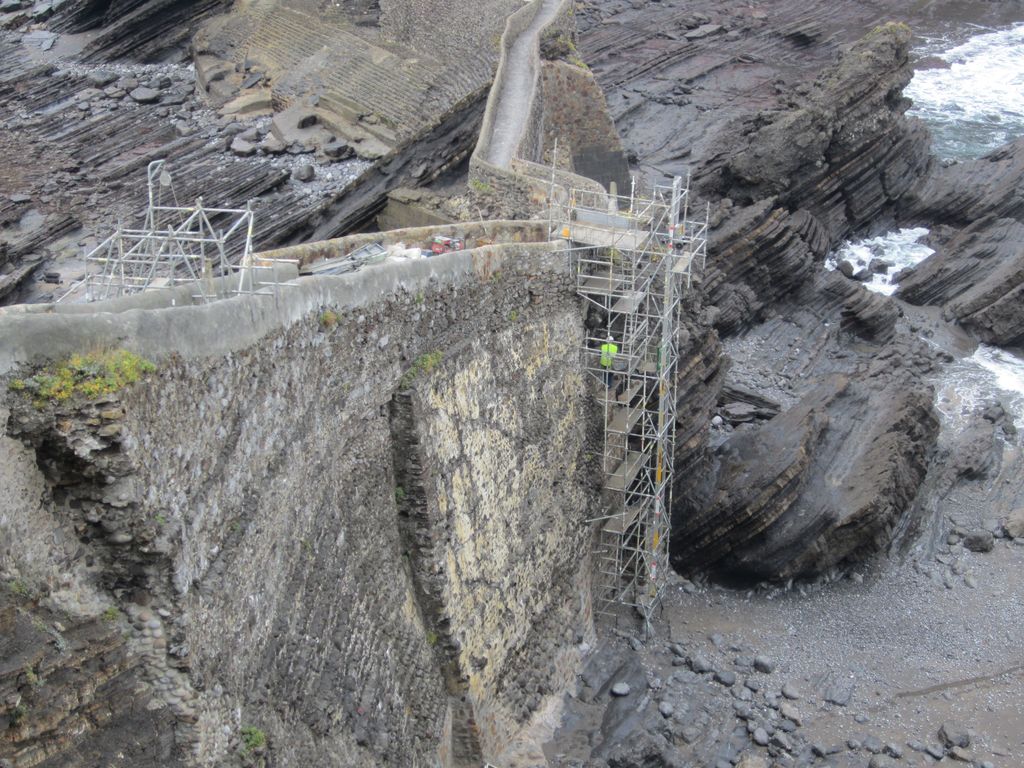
(480, 187)
(328, 319)
(424, 364)
(90, 375)
(253, 739)
(18, 712)
(32, 677)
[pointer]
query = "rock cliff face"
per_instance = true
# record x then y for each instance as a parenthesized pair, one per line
(826, 481)
(825, 432)
(822, 484)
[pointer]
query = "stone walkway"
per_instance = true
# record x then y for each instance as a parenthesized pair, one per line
(516, 89)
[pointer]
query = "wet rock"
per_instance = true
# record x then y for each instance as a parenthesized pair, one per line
(953, 734)
(960, 754)
(872, 745)
(159, 83)
(144, 95)
(699, 664)
(893, 750)
(726, 677)
(100, 78)
(979, 540)
(1014, 524)
(790, 712)
(272, 145)
(862, 275)
(839, 693)
(250, 134)
(339, 150)
(976, 275)
(242, 148)
(782, 741)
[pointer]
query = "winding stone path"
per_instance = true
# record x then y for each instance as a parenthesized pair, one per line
(516, 88)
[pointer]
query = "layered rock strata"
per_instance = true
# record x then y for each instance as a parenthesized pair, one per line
(976, 210)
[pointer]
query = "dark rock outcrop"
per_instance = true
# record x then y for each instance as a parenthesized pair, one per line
(821, 484)
(963, 192)
(978, 279)
(73, 693)
(799, 180)
(977, 272)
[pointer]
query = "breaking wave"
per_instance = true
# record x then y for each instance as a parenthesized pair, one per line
(977, 103)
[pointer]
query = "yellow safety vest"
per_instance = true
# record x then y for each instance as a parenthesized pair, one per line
(608, 352)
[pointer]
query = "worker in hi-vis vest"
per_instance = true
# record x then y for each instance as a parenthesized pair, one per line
(608, 351)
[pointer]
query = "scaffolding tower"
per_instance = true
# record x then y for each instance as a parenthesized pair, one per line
(633, 257)
(178, 245)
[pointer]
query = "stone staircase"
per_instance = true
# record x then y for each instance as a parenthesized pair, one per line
(362, 84)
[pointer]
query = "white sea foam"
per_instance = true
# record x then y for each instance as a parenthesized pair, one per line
(900, 249)
(990, 373)
(977, 104)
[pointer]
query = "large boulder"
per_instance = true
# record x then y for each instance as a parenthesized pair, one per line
(821, 484)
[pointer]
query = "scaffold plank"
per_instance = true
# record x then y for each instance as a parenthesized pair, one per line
(625, 418)
(627, 471)
(619, 523)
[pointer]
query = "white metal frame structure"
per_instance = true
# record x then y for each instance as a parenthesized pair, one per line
(178, 245)
(633, 258)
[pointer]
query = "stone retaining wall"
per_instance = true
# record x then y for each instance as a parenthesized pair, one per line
(264, 535)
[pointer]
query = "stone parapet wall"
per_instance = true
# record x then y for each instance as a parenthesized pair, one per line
(515, 25)
(258, 523)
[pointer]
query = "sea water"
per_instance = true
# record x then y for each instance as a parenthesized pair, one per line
(977, 103)
(899, 249)
(989, 374)
(972, 107)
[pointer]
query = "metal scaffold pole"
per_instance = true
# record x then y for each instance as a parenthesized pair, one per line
(633, 259)
(177, 245)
